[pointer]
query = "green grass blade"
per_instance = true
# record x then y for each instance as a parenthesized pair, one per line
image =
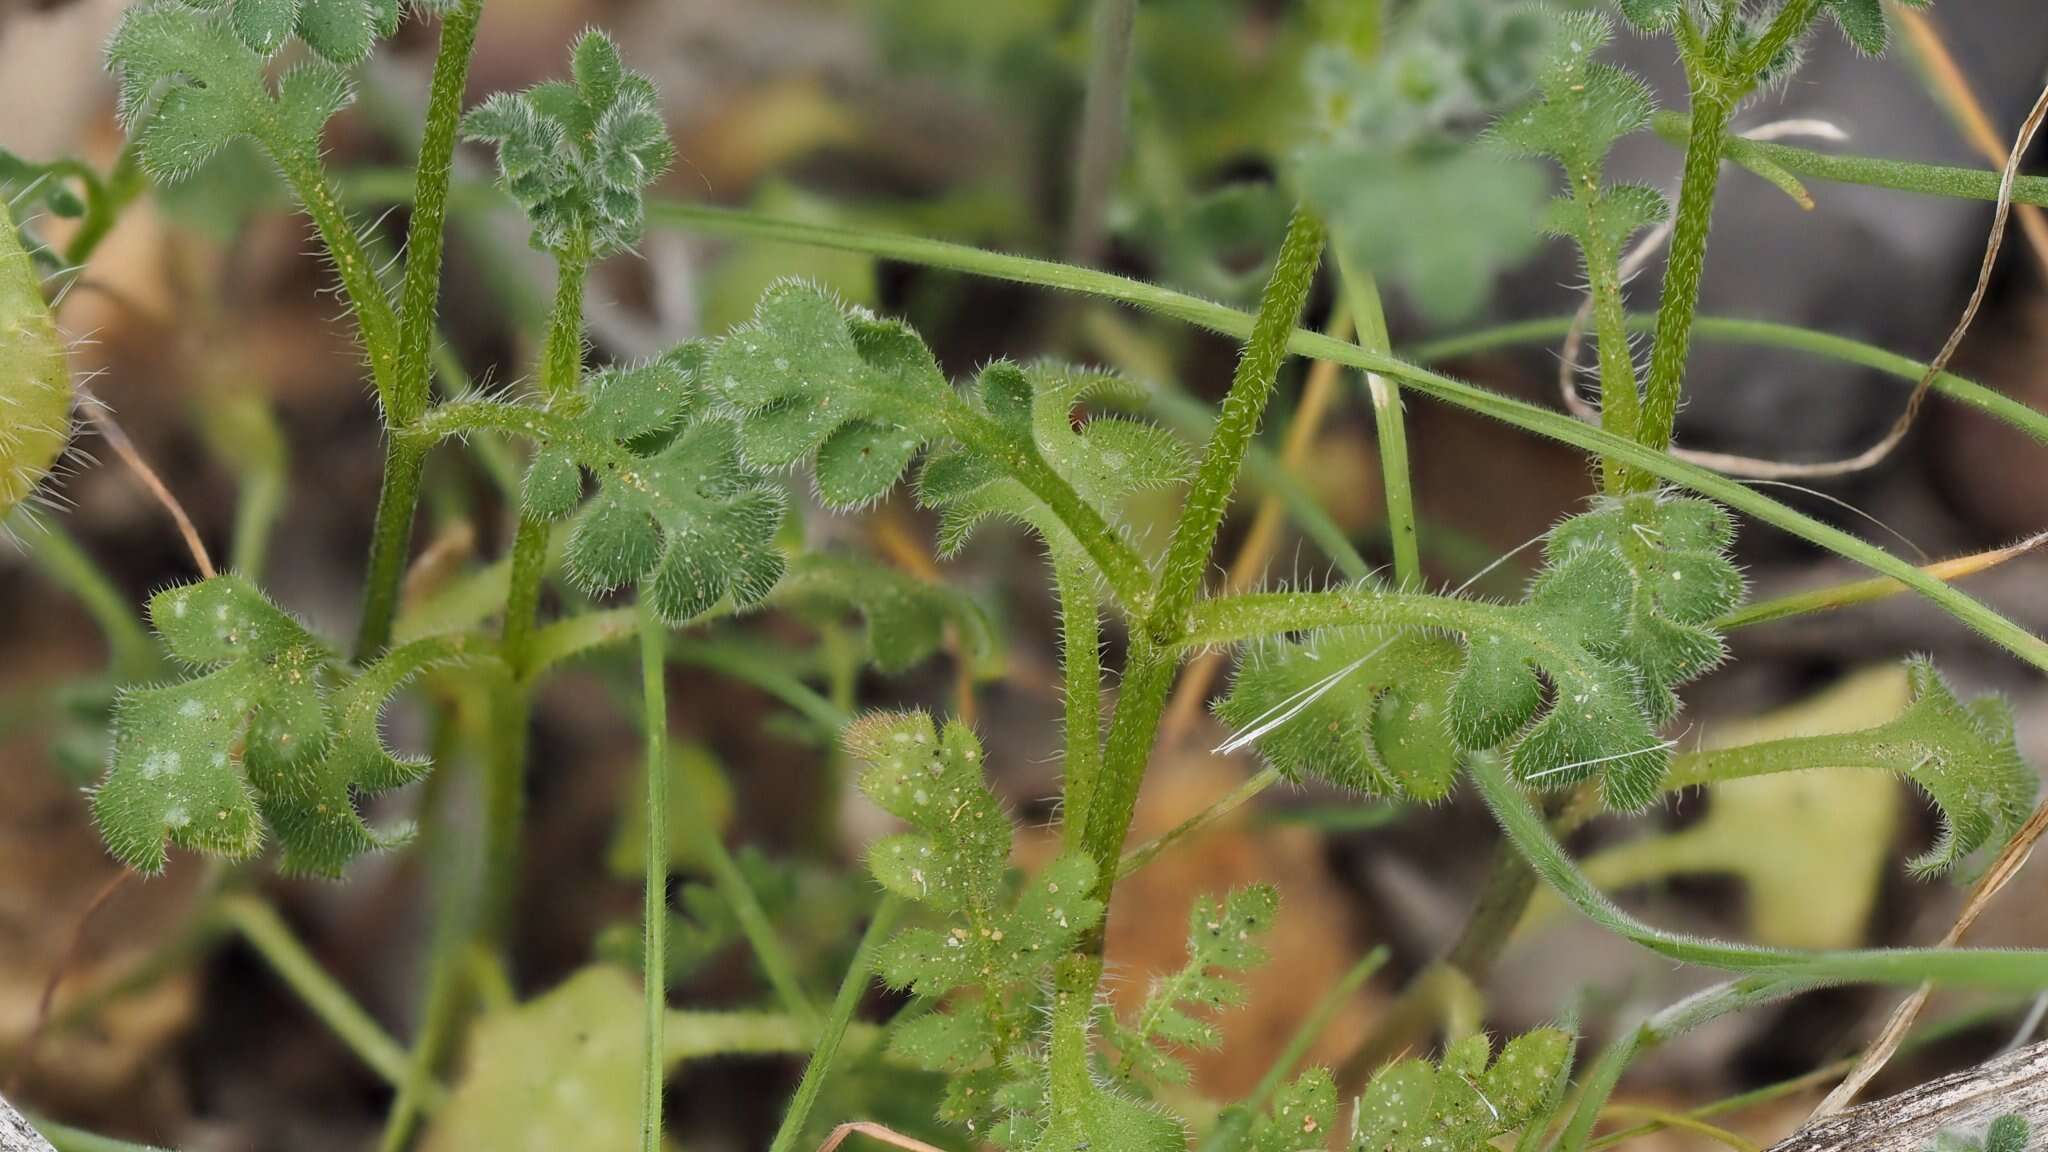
(1981, 967)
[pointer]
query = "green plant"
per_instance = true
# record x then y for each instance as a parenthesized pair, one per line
(666, 477)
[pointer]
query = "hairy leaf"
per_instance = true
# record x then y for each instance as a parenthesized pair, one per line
(1083, 1112)
(1221, 939)
(675, 512)
(906, 616)
(190, 84)
(1461, 1104)
(1585, 107)
(311, 806)
(1106, 459)
(1299, 1120)
(811, 379)
(271, 732)
(1964, 756)
(1864, 23)
(991, 952)
(1574, 680)
(578, 155)
(1362, 708)
(341, 31)
(178, 750)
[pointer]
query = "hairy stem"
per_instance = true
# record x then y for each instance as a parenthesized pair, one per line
(366, 296)
(505, 787)
(398, 496)
(1201, 517)
(1711, 109)
(1081, 660)
(404, 387)
(420, 297)
(858, 975)
(1620, 402)
(654, 909)
(1154, 651)
(1892, 747)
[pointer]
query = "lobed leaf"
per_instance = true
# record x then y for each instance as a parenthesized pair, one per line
(990, 953)
(176, 771)
(578, 155)
(340, 31)
(1966, 758)
(1106, 459)
(1221, 938)
(810, 379)
(311, 805)
(1461, 1104)
(189, 84)
(675, 511)
(268, 734)
(1573, 681)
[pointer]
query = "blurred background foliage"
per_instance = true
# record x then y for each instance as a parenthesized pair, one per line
(211, 332)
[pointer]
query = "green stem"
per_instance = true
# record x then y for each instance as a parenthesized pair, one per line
(1944, 1029)
(522, 595)
(1761, 333)
(256, 510)
(1620, 402)
(1154, 654)
(1711, 109)
(505, 787)
(103, 208)
(1893, 747)
(420, 297)
(366, 296)
(400, 344)
(1243, 794)
(1692, 1012)
(1362, 295)
(1194, 419)
(1979, 967)
(441, 1011)
(1231, 322)
(268, 934)
(654, 964)
(743, 662)
(1258, 369)
(858, 975)
(398, 495)
(561, 363)
(1870, 171)
(1081, 660)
